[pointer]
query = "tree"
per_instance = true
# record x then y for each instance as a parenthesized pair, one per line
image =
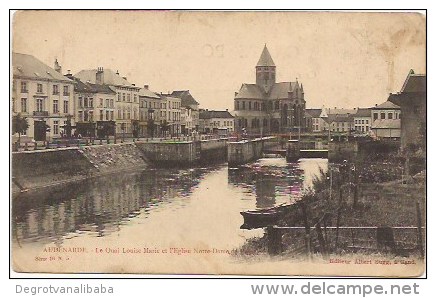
(19, 125)
(164, 126)
(150, 127)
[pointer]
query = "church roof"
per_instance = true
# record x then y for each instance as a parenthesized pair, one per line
(250, 91)
(265, 58)
(278, 91)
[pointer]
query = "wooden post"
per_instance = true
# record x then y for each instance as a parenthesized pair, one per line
(325, 233)
(307, 230)
(274, 240)
(308, 248)
(356, 194)
(419, 224)
(321, 240)
(338, 218)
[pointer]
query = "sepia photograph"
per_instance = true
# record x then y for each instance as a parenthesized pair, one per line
(253, 143)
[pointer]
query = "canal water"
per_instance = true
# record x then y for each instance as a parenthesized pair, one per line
(154, 221)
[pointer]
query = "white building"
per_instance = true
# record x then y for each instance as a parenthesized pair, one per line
(127, 99)
(216, 121)
(42, 95)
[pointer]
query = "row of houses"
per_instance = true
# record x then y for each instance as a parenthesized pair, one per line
(402, 116)
(101, 100)
(382, 120)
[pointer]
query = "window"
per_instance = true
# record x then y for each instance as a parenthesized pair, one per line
(367, 121)
(277, 105)
(66, 107)
(39, 104)
(101, 115)
(55, 89)
(112, 115)
(243, 105)
(24, 87)
(134, 98)
(390, 116)
(56, 127)
(80, 116)
(119, 97)
(249, 105)
(101, 102)
(119, 114)
(55, 106)
(24, 105)
(382, 116)
(128, 97)
(375, 116)
(39, 88)
(90, 102)
(124, 96)
(66, 90)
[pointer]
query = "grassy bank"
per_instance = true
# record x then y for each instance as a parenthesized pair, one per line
(364, 194)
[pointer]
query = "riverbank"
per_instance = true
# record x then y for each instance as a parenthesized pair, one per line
(33, 170)
(349, 214)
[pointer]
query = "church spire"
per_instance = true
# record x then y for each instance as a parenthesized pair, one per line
(265, 71)
(265, 58)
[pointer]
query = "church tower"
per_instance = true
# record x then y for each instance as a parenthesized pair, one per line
(265, 71)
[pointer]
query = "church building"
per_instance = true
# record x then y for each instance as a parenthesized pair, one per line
(268, 106)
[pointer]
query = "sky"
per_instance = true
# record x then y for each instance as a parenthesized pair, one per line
(343, 60)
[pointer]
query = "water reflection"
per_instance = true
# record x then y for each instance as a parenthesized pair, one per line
(99, 206)
(160, 207)
(272, 181)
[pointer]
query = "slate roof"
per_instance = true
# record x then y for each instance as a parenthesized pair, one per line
(314, 113)
(414, 83)
(187, 99)
(339, 118)
(86, 87)
(386, 105)
(208, 114)
(364, 112)
(143, 92)
(278, 91)
(28, 66)
(386, 124)
(265, 58)
(110, 77)
(341, 111)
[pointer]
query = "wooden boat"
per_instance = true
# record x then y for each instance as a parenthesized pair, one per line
(254, 219)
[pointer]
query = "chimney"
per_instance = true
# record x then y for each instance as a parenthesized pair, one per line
(118, 73)
(236, 93)
(227, 110)
(376, 104)
(146, 87)
(125, 78)
(133, 85)
(57, 67)
(68, 71)
(99, 76)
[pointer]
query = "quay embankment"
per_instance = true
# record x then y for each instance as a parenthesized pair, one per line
(51, 167)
